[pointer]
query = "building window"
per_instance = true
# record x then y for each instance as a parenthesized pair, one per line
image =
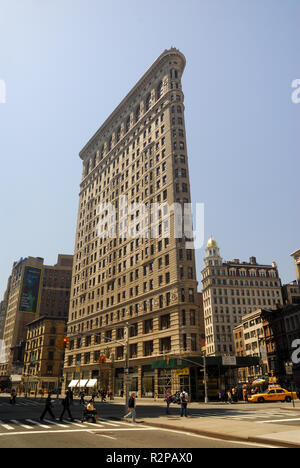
(148, 102)
(165, 345)
(165, 322)
(148, 348)
(160, 90)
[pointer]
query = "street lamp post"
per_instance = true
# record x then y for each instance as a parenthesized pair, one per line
(126, 370)
(205, 379)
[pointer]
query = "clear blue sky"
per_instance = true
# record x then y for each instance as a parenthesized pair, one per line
(68, 63)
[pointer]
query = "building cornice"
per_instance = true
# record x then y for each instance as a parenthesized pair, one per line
(125, 104)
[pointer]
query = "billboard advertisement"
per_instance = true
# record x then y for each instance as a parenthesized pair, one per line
(30, 289)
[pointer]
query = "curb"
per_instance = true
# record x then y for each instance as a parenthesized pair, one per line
(222, 436)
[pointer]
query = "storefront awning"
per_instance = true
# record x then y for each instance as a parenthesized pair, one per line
(82, 383)
(73, 384)
(91, 383)
(211, 361)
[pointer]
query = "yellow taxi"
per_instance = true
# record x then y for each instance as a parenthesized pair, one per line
(273, 394)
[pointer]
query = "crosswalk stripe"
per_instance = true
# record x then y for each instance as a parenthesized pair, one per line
(55, 423)
(14, 421)
(107, 422)
(6, 426)
(36, 423)
(78, 423)
(86, 422)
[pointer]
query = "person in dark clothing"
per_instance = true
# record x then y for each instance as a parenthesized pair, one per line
(13, 397)
(71, 396)
(184, 398)
(48, 408)
(66, 407)
(168, 399)
(131, 408)
(82, 395)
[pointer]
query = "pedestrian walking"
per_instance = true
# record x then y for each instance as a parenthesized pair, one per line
(168, 400)
(66, 407)
(48, 408)
(103, 396)
(131, 408)
(13, 397)
(184, 398)
(229, 397)
(82, 401)
(71, 396)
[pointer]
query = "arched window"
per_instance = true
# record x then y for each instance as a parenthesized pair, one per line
(160, 90)
(102, 152)
(118, 135)
(127, 127)
(148, 102)
(137, 113)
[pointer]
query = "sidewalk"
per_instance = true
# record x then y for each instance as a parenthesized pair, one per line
(243, 431)
(274, 434)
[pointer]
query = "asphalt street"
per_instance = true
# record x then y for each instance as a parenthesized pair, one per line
(20, 425)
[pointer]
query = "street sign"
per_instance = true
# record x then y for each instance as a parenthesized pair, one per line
(229, 360)
(128, 379)
(185, 371)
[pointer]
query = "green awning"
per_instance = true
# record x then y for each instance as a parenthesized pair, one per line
(195, 361)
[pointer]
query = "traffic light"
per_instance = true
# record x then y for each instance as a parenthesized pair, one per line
(102, 359)
(168, 361)
(65, 342)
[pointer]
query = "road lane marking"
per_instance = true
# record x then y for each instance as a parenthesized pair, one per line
(6, 426)
(64, 431)
(278, 420)
(107, 422)
(55, 423)
(36, 423)
(14, 421)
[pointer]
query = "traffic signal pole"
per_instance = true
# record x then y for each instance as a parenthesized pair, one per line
(126, 368)
(205, 373)
(126, 373)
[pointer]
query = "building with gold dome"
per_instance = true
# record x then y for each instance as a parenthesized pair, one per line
(296, 257)
(232, 289)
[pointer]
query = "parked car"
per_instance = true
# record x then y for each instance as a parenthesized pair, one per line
(273, 394)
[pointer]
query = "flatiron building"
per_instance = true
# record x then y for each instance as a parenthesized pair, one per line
(140, 272)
